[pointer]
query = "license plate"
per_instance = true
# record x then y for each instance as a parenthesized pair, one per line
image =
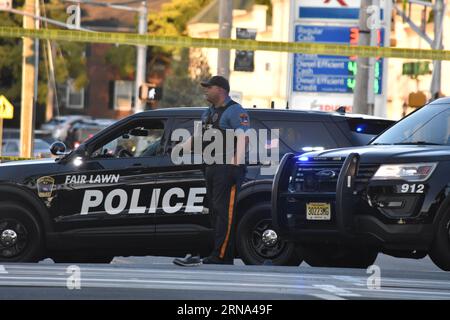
(318, 211)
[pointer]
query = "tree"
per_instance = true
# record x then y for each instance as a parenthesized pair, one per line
(174, 16)
(181, 89)
(70, 61)
(10, 59)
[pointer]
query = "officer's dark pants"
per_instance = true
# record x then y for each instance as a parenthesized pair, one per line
(223, 183)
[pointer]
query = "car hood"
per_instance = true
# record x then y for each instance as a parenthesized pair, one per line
(21, 171)
(388, 153)
(27, 162)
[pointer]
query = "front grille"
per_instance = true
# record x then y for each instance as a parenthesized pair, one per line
(322, 176)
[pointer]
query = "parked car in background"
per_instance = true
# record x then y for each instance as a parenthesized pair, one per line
(11, 148)
(84, 129)
(60, 125)
(14, 133)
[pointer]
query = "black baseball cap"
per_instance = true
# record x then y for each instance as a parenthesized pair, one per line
(218, 81)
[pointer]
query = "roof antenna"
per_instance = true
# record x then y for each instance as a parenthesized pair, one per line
(287, 105)
(341, 110)
(272, 104)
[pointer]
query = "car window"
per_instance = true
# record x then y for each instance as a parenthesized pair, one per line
(364, 130)
(142, 140)
(303, 136)
(40, 145)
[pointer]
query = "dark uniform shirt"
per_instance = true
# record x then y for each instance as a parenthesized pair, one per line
(230, 116)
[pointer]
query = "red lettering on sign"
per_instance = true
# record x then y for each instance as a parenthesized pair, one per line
(341, 2)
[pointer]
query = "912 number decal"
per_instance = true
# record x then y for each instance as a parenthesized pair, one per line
(411, 188)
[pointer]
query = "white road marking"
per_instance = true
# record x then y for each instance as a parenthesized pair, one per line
(335, 290)
(328, 297)
(257, 280)
(356, 281)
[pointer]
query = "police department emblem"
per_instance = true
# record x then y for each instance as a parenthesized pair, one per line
(215, 117)
(45, 186)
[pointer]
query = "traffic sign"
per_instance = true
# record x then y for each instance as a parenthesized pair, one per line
(150, 92)
(6, 108)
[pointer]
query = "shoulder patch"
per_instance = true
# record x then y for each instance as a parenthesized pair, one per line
(244, 119)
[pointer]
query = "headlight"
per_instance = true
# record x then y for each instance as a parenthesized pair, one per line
(413, 172)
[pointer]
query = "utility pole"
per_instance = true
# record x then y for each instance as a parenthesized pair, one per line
(438, 11)
(361, 87)
(141, 60)
(29, 73)
(225, 24)
(52, 97)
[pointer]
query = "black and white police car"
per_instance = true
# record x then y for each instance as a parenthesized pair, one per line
(120, 194)
(343, 206)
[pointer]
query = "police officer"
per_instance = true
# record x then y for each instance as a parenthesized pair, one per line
(225, 174)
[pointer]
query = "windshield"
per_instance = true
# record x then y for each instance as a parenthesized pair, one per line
(428, 125)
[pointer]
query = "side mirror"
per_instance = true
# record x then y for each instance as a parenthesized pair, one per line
(58, 148)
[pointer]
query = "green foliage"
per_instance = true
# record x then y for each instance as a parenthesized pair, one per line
(174, 16)
(11, 58)
(70, 61)
(180, 89)
(124, 58)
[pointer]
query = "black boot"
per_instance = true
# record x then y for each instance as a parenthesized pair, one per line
(188, 261)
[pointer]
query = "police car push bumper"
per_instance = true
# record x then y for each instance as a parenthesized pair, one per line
(346, 196)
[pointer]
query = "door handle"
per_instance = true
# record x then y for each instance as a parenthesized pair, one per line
(136, 166)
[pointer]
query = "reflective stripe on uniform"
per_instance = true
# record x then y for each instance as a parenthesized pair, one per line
(230, 221)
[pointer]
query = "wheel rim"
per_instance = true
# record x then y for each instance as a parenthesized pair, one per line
(262, 240)
(13, 238)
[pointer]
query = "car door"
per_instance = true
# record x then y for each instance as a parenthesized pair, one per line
(182, 218)
(109, 192)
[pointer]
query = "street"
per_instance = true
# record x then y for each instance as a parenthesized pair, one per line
(157, 278)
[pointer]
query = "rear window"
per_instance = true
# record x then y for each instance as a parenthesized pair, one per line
(301, 136)
(40, 145)
(12, 147)
(363, 130)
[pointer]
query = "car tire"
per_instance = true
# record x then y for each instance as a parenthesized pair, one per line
(79, 258)
(249, 242)
(21, 235)
(338, 257)
(440, 249)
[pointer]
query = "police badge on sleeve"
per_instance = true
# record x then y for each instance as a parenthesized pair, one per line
(45, 186)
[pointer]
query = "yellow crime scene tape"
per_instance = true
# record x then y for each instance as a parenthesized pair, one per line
(2, 159)
(239, 44)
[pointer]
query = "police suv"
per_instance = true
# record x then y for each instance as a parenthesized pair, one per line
(343, 206)
(120, 194)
